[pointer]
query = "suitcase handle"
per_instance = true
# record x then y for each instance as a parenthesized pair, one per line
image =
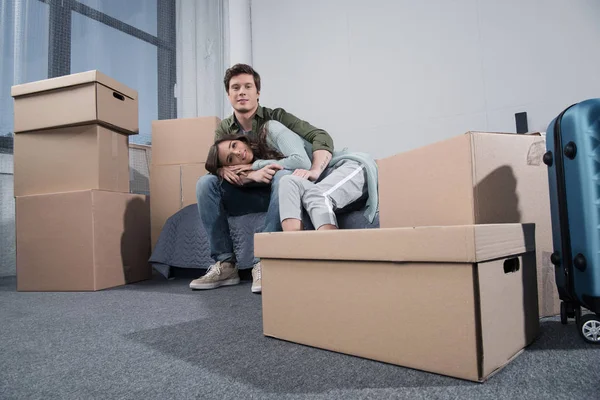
(565, 255)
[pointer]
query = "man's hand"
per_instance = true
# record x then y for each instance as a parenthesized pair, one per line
(311, 175)
(265, 174)
(230, 175)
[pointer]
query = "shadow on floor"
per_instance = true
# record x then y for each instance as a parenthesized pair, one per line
(230, 342)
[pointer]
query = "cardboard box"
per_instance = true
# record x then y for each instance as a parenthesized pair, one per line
(172, 188)
(182, 141)
(82, 241)
(458, 301)
(475, 178)
(78, 99)
(71, 159)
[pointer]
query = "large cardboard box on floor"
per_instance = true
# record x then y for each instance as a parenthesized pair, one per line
(82, 241)
(458, 300)
(78, 99)
(474, 178)
(179, 151)
(71, 159)
(172, 188)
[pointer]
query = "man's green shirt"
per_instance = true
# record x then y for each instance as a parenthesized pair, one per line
(318, 137)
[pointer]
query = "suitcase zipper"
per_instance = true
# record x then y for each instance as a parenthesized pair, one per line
(566, 256)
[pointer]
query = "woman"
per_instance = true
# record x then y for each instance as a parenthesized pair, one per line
(349, 177)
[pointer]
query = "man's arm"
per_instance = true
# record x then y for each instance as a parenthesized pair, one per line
(322, 143)
(321, 160)
(320, 139)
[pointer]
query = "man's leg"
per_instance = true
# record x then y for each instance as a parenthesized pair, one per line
(214, 219)
(343, 186)
(272, 224)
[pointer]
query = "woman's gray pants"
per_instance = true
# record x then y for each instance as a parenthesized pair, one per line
(339, 186)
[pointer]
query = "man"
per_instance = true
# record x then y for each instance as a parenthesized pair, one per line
(226, 194)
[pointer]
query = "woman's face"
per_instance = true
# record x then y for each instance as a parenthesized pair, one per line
(234, 152)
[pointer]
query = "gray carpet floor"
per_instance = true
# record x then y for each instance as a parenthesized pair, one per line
(160, 340)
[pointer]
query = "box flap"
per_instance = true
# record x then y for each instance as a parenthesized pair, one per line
(460, 243)
(72, 80)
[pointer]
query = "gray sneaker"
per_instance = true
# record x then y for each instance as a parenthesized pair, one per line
(256, 278)
(219, 274)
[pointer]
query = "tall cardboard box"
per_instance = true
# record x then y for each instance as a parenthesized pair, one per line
(179, 151)
(82, 241)
(78, 99)
(72, 133)
(459, 301)
(71, 159)
(475, 178)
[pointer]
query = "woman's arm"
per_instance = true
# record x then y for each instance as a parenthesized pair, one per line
(287, 143)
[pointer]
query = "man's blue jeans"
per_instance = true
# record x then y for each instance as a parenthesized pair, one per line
(218, 199)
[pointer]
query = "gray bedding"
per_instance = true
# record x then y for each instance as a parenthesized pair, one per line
(183, 242)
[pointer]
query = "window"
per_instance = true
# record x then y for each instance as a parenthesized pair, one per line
(132, 41)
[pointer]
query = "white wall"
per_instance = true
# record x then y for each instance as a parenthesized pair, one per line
(408, 73)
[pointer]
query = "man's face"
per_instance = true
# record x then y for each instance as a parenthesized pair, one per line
(243, 95)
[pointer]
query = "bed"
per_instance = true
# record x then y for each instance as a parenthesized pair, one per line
(183, 245)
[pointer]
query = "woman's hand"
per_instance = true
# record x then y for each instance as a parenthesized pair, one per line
(238, 169)
(307, 174)
(233, 173)
(230, 176)
(265, 174)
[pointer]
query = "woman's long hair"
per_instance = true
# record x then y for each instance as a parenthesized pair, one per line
(259, 147)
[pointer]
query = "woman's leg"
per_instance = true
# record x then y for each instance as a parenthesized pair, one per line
(343, 186)
(291, 190)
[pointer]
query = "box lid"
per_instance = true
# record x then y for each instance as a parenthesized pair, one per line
(459, 243)
(72, 80)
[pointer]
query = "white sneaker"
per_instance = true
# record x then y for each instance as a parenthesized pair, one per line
(256, 278)
(219, 274)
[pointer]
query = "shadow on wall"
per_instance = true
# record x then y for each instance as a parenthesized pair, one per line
(498, 203)
(135, 240)
(497, 198)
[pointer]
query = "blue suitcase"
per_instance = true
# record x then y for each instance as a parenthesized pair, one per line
(573, 160)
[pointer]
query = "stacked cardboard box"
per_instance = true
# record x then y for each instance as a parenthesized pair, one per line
(78, 228)
(179, 150)
(449, 284)
(475, 178)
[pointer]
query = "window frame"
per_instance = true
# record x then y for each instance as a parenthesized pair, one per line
(59, 44)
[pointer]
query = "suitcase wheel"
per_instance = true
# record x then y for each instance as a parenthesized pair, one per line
(589, 328)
